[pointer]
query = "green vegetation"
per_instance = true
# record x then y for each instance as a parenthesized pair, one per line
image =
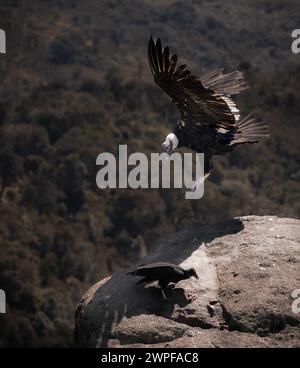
(75, 83)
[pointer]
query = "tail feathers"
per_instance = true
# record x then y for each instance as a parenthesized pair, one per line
(224, 84)
(250, 129)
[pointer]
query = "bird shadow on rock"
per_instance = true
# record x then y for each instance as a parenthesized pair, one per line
(119, 297)
(155, 304)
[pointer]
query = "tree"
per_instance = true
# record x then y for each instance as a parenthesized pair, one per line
(70, 178)
(9, 168)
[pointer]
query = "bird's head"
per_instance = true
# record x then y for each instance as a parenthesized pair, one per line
(177, 138)
(191, 272)
(170, 144)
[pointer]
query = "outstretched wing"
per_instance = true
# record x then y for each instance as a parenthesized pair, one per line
(197, 104)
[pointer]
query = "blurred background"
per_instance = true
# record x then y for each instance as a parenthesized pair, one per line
(75, 82)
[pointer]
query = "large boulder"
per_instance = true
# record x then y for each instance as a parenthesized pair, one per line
(248, 269)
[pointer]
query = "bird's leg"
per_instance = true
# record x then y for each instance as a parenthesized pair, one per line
(164, 294)
(200, 182)
(163, 287)
(207, 170)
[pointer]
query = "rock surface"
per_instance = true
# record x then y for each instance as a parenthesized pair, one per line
(248, 269)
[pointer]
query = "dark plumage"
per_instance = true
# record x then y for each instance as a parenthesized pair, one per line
(163, 272)
(210, 120)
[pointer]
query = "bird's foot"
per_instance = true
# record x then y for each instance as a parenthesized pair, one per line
(200, 182)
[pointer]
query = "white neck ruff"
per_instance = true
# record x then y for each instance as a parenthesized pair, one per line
(172, 137)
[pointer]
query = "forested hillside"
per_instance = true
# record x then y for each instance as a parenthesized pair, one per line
(75, 82)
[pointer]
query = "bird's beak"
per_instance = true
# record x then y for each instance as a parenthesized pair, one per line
(196, 276)
(167, 146)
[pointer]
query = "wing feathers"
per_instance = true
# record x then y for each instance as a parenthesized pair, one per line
(153, 58)
(225, 84)
(159, 55)
(173, 64)
(166, 59)
(201, 102)
(250, 129)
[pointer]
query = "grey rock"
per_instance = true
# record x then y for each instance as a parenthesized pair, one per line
(248, 269)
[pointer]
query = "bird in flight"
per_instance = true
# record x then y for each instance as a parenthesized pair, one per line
(210, 121)
(163, 272)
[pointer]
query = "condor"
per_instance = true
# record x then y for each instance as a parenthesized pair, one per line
(210, 120)
(163, 272)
